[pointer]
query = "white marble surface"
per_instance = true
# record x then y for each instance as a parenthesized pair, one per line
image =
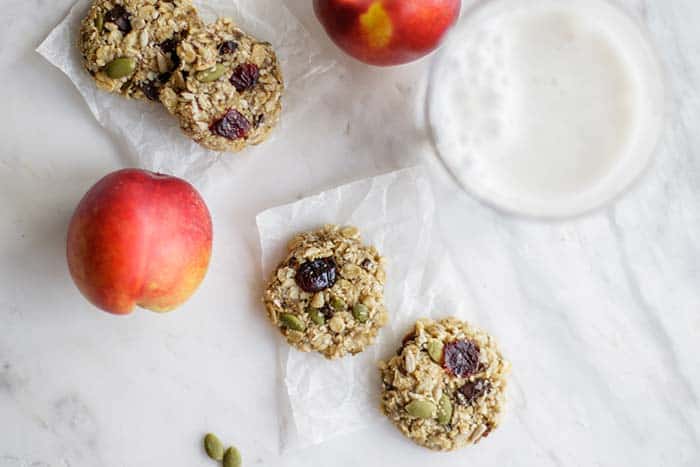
(599, 315)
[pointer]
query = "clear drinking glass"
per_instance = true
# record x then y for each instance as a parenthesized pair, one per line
(546, 108)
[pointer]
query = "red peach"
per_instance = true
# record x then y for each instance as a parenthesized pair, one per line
(139, 238)
(387, 32)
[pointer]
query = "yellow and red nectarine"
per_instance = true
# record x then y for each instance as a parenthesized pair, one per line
(387, 32)
(138, 238)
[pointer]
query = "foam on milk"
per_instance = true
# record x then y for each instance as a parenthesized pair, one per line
(548, 108)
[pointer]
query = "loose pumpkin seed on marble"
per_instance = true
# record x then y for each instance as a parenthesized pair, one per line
(232, 458)
(292, 322)
(421, 409)
(213, 447)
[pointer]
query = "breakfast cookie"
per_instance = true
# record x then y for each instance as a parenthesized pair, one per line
(129, 46)
(446, 387)
(327, 295)
(227, 91)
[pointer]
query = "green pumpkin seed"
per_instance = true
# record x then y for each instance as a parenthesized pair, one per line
(292, 322)
(213, 447)
(232, 458)
(444, 410)
(337, 303)
(421, 409)
(317, 316)
(120, 67)
(212, 74)
(99, 22)
(360, 312)
(435, 350)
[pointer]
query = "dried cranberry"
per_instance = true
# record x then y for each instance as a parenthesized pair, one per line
(169, 45)
(472, 391)
(150, 89)
(461, 358)
(119, 16)
(233, 125)
(245, 76)
(317, 275)
(164, 77)
(327, 311)
(175, 58)
(228, 47)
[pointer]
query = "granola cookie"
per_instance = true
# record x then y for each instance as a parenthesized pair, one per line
(327, 295)
(446, 387)
(227, 91)
(129, 46)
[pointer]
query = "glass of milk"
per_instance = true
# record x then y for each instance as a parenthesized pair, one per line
(547, 108)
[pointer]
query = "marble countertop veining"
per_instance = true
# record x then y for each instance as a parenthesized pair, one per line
(600, 315)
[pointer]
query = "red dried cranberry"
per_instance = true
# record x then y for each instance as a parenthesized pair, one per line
(245, 76)
(472, 391)
(461, 358)
(150, 90)
(119, 16)
(317, 275)
(175, 58)
(169, 45)
(327, 311)
(228, 47)
(164, 77)
(233, 125)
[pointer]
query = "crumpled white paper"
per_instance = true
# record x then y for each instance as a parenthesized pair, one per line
(394, 212)
(150, 133)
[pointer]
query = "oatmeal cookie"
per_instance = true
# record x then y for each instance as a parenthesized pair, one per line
(227, 91)
(446, 387)
(327, 295)
(129, 46)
